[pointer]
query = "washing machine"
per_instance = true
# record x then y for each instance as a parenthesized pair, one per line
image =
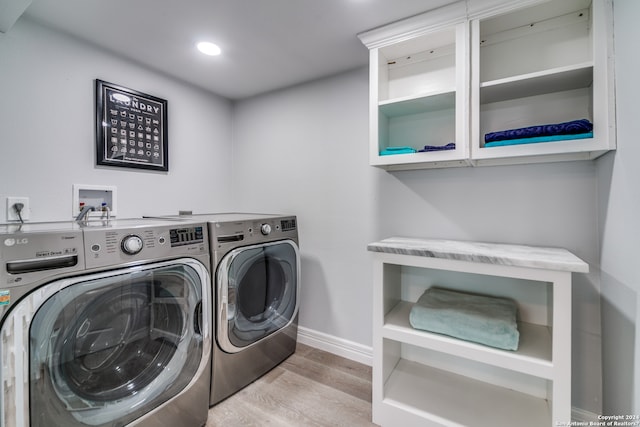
(256, 265)
(105, 324)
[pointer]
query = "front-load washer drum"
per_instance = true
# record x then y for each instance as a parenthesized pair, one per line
(108, 349)
(257, 293)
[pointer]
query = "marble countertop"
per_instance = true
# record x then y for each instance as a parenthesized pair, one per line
(488, 253)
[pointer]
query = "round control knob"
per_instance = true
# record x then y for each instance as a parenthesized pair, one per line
(265, 229)
(131, 245)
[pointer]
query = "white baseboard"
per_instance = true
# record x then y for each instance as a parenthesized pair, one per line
(364, 354)
(338, 346)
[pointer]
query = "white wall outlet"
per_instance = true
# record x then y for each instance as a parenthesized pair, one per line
(12, 214)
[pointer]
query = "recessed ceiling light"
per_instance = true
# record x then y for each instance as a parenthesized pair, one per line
(209, 48)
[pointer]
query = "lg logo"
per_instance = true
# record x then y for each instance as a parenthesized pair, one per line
(11, 241)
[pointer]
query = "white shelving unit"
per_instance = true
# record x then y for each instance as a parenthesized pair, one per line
(455, 73)
(542, 64)
(419, 92)
(422, 378)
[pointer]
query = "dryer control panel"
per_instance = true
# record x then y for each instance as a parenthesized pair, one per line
(254, 231)
(228, 235)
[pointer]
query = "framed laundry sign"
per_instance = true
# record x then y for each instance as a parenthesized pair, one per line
(131, 128)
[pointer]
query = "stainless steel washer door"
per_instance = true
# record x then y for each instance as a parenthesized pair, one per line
(257, 293)
(107, 349)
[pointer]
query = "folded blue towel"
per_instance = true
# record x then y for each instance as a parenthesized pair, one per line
(482, 319)
(566, 128)
(397, 150)
(538, 139)
(449, 146)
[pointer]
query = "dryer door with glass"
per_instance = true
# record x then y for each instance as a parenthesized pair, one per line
(257, 293)
(107, 348)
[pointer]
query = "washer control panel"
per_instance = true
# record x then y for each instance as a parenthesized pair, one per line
(131, 244)
(186, 236)
(105, 246)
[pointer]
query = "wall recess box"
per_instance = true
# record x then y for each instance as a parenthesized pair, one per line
(94, 195)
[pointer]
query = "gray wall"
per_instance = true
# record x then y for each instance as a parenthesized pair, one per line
(47, 138)
(304, 151)
(619, 209)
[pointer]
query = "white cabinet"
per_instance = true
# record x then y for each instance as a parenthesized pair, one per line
(421, 378)
(419, 91)
(544, 64)
(456, 73)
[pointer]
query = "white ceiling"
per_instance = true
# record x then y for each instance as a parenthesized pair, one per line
(266, 44)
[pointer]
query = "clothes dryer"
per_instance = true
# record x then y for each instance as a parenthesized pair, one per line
(256, 265)
(105, 324)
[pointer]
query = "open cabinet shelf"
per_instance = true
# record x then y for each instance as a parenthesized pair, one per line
(416, 104)
(533, 354)
(460, 71)
(456, 400)
(424, 378)
(561, 79)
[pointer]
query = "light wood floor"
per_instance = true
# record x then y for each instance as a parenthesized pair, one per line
(310, 388)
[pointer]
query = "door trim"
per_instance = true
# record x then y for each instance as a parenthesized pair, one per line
(222, 294)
